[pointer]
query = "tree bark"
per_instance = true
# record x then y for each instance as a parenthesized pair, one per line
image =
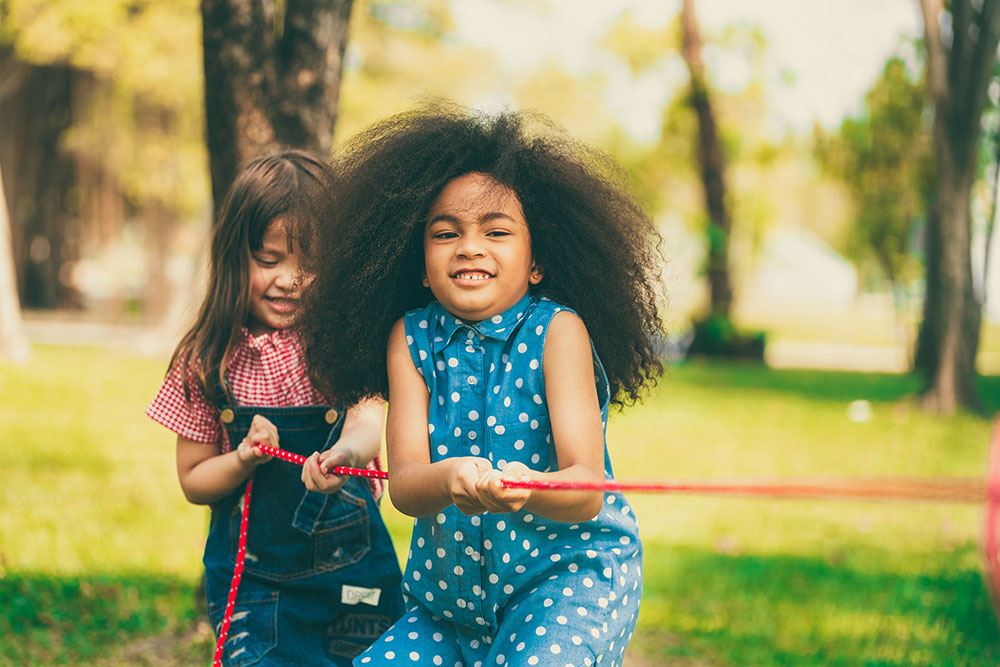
(713, 165)
(957, 77)
(310, 66)
(266, 91)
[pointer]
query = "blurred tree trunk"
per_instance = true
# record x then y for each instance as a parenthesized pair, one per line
(272, 79)
(959, 67)
(13, 342)
(271, 83)
(713, 165)
(36, 109)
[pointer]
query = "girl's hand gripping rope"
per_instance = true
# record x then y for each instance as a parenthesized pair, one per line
(318, 470)
(496, 496)
(463, 479)
(262, 431)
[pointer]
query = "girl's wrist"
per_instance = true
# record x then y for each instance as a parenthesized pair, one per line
(349, 457)
(246, 465)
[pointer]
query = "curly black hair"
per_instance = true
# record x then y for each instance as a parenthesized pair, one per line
(598, 251)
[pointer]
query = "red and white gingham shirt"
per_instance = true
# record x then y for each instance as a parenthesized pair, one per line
(266, 370)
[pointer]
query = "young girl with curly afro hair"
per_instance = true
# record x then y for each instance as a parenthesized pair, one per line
(495, 281)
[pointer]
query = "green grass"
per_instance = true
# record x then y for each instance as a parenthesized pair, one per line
(794, 610)
(100, 554)
(794, 582)
(97, 545)
(80, 619)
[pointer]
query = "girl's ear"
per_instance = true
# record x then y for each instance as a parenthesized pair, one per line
(536, 275)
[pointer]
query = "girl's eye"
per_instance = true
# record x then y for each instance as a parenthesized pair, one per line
(265, 262)
(498, 232)
(444, 235)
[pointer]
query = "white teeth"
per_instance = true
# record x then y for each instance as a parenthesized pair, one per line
(472, 276)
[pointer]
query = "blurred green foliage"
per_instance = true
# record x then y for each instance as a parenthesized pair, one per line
(144, 121)
(885, 158)
(770, 178)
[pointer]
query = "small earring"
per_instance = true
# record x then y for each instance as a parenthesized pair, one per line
(426, 282)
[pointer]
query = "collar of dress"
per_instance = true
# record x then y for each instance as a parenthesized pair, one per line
(499, 326)
(275, 339)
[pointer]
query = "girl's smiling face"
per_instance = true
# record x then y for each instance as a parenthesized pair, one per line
(276, 280)
(477, 248)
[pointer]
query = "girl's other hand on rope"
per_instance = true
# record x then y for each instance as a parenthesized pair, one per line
(495, 497)
(261, 431)
(315, 471)
(462, 482)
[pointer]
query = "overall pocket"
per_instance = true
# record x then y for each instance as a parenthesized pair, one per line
(326, 532)
(253, 630)
(341, 534)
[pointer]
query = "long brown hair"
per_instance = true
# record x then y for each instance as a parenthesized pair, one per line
(284, 185)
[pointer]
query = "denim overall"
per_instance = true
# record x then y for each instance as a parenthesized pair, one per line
(321, 579)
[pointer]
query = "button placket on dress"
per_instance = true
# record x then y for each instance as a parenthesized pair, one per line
(469, 383)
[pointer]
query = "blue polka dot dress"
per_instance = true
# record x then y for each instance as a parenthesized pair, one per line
(497, 589)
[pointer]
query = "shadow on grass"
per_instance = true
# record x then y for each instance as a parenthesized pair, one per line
(820, 385)
(703, 607)
(46, 620)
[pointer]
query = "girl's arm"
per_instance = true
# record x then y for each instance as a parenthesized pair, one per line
(358, 444)
(419, 487)
(577, 432)
(206, 476)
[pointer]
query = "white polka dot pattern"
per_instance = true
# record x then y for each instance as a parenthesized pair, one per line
(508, 588)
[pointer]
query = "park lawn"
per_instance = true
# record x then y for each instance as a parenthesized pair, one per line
(100, 554)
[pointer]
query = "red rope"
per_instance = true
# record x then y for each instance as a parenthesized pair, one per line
(336, 470)
(948, 489)
(962, 490)
(237, 575)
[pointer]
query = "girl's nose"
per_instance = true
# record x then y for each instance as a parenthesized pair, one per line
(470, 246)
(289, 279)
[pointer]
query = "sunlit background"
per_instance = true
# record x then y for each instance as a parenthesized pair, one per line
(825, 124)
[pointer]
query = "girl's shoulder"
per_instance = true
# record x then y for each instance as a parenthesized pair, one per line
(431, 320)
(543, 306)
(426, 314)
(542, 312)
